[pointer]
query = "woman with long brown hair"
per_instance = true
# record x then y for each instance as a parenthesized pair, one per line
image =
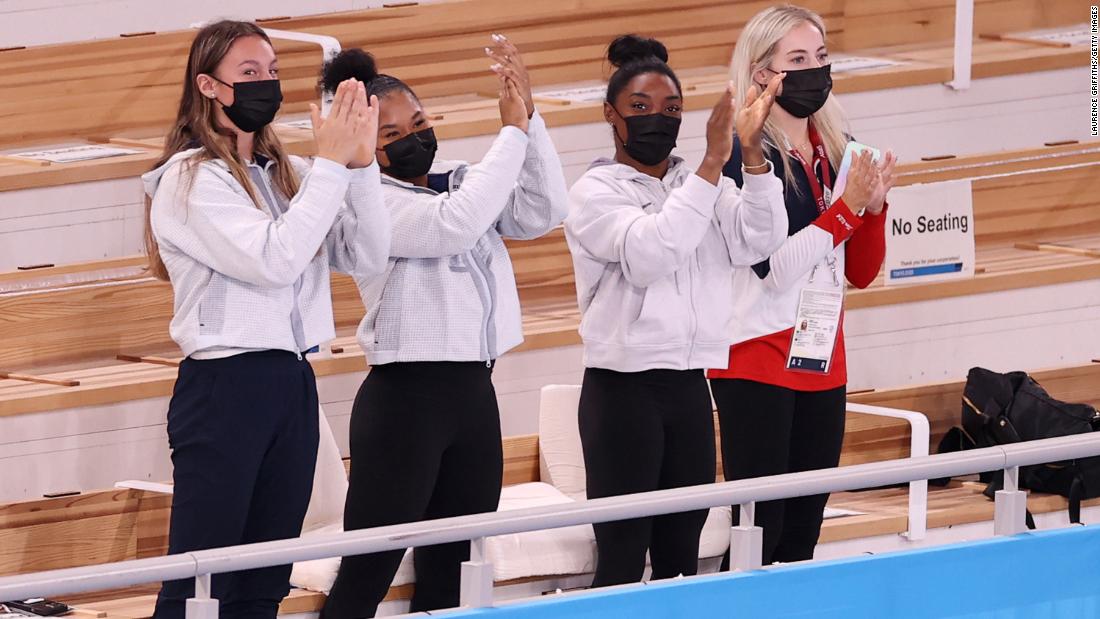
(247, 235)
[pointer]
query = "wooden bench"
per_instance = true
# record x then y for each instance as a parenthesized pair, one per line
(1034, 229)
(117, 525)
(128, 88)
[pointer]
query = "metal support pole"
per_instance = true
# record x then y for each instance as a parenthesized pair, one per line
(1010, 509)
(964, 44)
(202, 606)
(477, 577)
(746, 541)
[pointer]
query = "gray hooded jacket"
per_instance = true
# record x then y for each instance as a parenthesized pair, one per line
(655, 258)
(248, 279)
(449, 292)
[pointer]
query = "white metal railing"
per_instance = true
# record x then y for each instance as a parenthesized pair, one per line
(330, 47)
(964, 45)
(919, 437)
(477, 574)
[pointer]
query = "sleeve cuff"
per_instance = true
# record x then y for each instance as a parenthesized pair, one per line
(701, 194)
(331, 168)
(368, 174)
(760, 183)
(870, 217)
(514, 132)
(839, 222)
(536, 123)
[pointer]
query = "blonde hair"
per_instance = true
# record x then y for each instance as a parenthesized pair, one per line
(756, 49)
(196, 125)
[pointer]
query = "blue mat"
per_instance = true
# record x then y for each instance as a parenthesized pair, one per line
(1051, 574)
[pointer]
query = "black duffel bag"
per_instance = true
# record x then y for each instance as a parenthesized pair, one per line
(1000, 409)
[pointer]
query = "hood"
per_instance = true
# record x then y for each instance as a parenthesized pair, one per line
(439, 166)
(609, 168)
(151, 179)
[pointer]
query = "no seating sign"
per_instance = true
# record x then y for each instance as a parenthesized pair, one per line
(930, 233)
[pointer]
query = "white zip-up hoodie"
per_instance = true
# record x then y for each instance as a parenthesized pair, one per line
(654, 261)
(449, 292)
(248, 279)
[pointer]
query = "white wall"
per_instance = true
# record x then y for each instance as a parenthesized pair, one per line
(38, 22)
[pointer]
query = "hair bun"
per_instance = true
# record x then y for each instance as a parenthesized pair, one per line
(346, 65)
(632, 48)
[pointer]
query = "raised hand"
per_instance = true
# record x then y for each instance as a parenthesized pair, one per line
(369, 138)
(513, 111)
(720, 128)
(863, 184)
(888, 173)
(757, 107)
(509, 64)
(340, 136)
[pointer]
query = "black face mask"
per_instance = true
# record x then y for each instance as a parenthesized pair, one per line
(254, 104)
(805, 91)
(411, 156)
(649, 138)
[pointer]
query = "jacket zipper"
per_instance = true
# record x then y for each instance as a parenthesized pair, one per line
(296, 312)
(483, 281)
(453, 182)
(967, 401)
(691, 291)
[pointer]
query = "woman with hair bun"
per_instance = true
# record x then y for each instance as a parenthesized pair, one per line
(425, 428)
(654, 246)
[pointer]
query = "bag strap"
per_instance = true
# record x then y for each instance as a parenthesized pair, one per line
(1076, 493)
(954, 440)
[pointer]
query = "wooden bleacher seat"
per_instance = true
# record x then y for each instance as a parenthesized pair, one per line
(55, 337)
(1034, 229)
(128, 88)
(124, 524)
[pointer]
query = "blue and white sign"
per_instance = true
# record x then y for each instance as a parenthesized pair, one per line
(930, 233)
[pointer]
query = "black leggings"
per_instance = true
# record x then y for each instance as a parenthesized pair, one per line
(425, 444)
(644, 431)
(770, 430)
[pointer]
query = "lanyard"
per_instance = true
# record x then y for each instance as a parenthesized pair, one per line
(821, 158)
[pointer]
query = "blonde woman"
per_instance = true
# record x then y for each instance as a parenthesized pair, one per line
(780, 411)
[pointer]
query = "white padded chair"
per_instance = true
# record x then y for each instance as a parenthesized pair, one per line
(561, 461)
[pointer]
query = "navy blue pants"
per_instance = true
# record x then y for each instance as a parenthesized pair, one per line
(243, 433)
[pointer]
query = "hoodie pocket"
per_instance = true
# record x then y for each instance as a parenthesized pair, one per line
(212, 306)
(714, 303)
(388, 323)
(664, 315)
